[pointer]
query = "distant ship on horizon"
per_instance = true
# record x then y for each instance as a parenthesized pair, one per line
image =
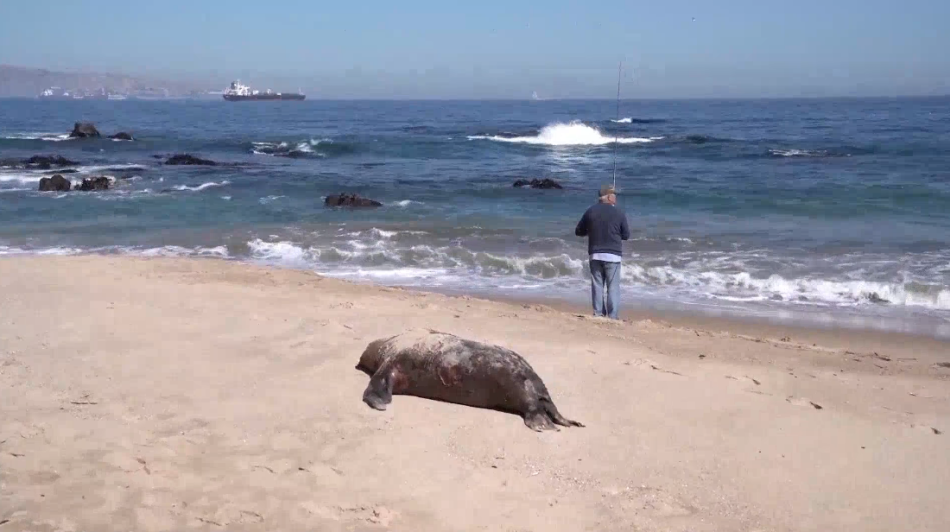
(57, 93)
(239, 93)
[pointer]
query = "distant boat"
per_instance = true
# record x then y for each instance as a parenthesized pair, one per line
(239, 93)
(534, 96)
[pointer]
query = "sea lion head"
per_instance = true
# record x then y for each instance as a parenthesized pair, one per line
(418, 341)
(373, 356)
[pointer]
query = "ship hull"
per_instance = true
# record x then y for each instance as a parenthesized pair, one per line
(263, 97)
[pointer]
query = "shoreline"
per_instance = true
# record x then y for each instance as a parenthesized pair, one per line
(790, 320)
(823, 323)
(800, 330)
(153, 393)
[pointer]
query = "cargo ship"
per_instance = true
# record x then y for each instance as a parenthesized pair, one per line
(240, 93)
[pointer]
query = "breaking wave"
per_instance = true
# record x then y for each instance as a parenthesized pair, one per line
(48, 137)
(385, 254)
(567, 134)
(409, 257)
(308, 148)
(202, 186)
(807, 153)
(631, 120)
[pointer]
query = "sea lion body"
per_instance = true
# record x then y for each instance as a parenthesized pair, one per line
(448, 368)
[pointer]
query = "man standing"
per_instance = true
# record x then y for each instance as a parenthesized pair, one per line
(605, 227)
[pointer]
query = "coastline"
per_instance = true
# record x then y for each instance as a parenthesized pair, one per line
(169, 393)
(820, 324)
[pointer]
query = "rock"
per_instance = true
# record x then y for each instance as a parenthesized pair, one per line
(57, 183)
(121, 136)
(350, 200)
(45, 162)
(83, 130)
(545, 183)
(95, 183)
(185, 159)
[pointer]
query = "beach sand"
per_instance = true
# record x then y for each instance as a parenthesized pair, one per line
(188, 394)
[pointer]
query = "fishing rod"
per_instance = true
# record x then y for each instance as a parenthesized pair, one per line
(616, 138)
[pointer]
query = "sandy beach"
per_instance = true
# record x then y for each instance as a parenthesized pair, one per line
(198, 394)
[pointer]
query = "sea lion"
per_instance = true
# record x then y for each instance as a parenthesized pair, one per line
(444, 367)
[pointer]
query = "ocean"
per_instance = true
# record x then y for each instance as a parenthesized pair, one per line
(832, 212)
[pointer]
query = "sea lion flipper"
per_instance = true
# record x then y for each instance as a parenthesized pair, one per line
(379, 391)
(556, 416)
(539, 421)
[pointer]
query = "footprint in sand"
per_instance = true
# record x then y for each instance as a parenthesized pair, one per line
(801, 401)
(377, 515)
(928, 429)
(651, 501)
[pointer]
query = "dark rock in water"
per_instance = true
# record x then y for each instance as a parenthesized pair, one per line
(44, 162)
(545, 183)
(83, 130)
(121, 136)
(874, 297)
(57, 183)
(185, 159)
(350, 200)
(158, 157)
(95, 183)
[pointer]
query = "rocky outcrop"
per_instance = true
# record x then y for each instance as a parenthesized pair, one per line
(95, 183)
(189, 160)
(122, 135)
(45, 162)
(350, 200)
(83, 130)
(57, 183)
(545, 183)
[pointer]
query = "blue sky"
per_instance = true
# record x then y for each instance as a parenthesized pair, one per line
(499, 49)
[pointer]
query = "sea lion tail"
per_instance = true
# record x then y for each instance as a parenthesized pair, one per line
(556, 416)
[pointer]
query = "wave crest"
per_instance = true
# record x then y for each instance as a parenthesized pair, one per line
(574, 133)
(202, 186)
(308, 148)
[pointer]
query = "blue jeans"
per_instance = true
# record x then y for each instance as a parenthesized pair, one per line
(605, 275)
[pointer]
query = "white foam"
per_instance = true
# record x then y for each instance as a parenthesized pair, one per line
(798, 153)
(202, 186)
(283, 147)
(626, 120)
(49, 137)
(283, 252)
(571, 134)
(742, 286)
(106, 167)
(21, 177)
(382, 233)
(269, 199)
(61, 251)
(406, 203)
(178, 251)
(378, 254)
(437, 276)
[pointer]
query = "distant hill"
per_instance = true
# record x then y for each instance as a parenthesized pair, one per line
(18, 81)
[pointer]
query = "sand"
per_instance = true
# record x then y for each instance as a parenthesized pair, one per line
(188, 394)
